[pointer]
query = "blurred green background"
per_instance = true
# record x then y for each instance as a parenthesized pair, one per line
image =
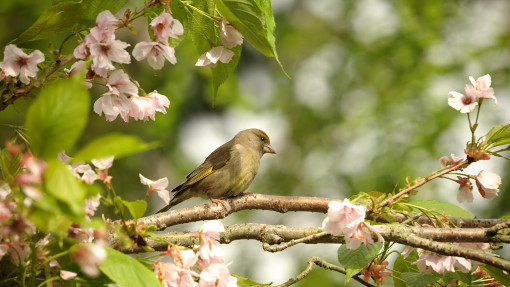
(365, 107)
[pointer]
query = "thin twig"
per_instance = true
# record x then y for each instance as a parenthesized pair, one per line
(270, 248)
(323, 264)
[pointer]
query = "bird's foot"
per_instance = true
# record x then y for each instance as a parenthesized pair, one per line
(218, 201)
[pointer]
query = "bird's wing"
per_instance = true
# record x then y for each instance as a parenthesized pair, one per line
(216, 160)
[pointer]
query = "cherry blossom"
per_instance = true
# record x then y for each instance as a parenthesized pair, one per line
(342, 216)
(465, 192)
(216, 275)
(17, 63)
(88, 257)
(449, 161)
(229, 36)
(120, 83)
(376, 272)
(481, 88)
(488, 184)
(85, 173)
(159, 102)
(210, 58)
(159, 186)
(165, 26)
(462, 103)
(103, 163)
(155, 52)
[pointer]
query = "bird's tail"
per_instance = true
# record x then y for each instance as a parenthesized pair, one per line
(179, 197)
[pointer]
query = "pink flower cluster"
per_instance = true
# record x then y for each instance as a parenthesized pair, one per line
(230, 38)
(163, 27)
(207, 265)
(478, 90)
(347, 218)
(18, 64)
(375, 270)
(441, 264)
(121, 98)
(159, 186)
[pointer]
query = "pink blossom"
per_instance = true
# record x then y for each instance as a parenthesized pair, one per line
(229, 36)
(159, 186)
(449, 161)
(481, 88)
(164, 26)
(342, 216)
(141, 109)
(216, 275)
(88, 175)
(17, 63)
(212, 229)
(106, 22)
(88, 257)
(159, 102)
(178, 273)
(103, 163)
(465, 192)
(111, 105)
(488, 184)
(81, 51)
(120, 83)
(67, 275)
(376, 272)
(462, 103)
(5, 190)
(155, 52)
(210, 58)
(104, 53)
(91, 204)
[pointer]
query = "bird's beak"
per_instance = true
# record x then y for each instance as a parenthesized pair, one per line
(268, 149)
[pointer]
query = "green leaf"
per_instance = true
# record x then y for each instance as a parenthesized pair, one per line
(403, 265)
(243, 281)
(53, 21)
(439, 206)
(113, 144)
(221, 72)
(254, 20)
(249, 19)
(62, 185)
(355, 260)
(498, 136)
(57, 117)
(497, 274)
(94, 7)
(136, 208)
(127, 271)
(414, 279)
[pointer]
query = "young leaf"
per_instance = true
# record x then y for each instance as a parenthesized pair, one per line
(127, 271)
(136, 208)
(53, 21)
(115, 144)
(221, 72)
(355, 260)
(439, 206)
(403, 265)
(62, 185)
(498, 136)
(57, 117)
(497, 274)
(94, 7)
(413, 279)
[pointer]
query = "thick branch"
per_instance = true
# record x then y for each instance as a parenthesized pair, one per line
(280, 204)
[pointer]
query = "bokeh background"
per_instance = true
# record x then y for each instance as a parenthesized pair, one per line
(365, 107)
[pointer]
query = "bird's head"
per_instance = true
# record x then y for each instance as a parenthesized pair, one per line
(256, 139)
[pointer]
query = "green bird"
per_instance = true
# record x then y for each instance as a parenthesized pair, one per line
(226, 172)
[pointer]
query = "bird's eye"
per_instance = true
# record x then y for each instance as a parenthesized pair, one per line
(263, 139)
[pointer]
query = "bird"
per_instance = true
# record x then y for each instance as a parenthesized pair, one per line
(227, 172)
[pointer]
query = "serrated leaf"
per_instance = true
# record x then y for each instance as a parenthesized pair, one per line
(498, 136)
(403, 265)
(57, 117)
(413, 279)
(355, 260)
(94, 7)
(243, 281)
(113, 144)
(62, 185)
(53, 21)
(127, 271)
(136, 208)
(497, 274)
(439, 206)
